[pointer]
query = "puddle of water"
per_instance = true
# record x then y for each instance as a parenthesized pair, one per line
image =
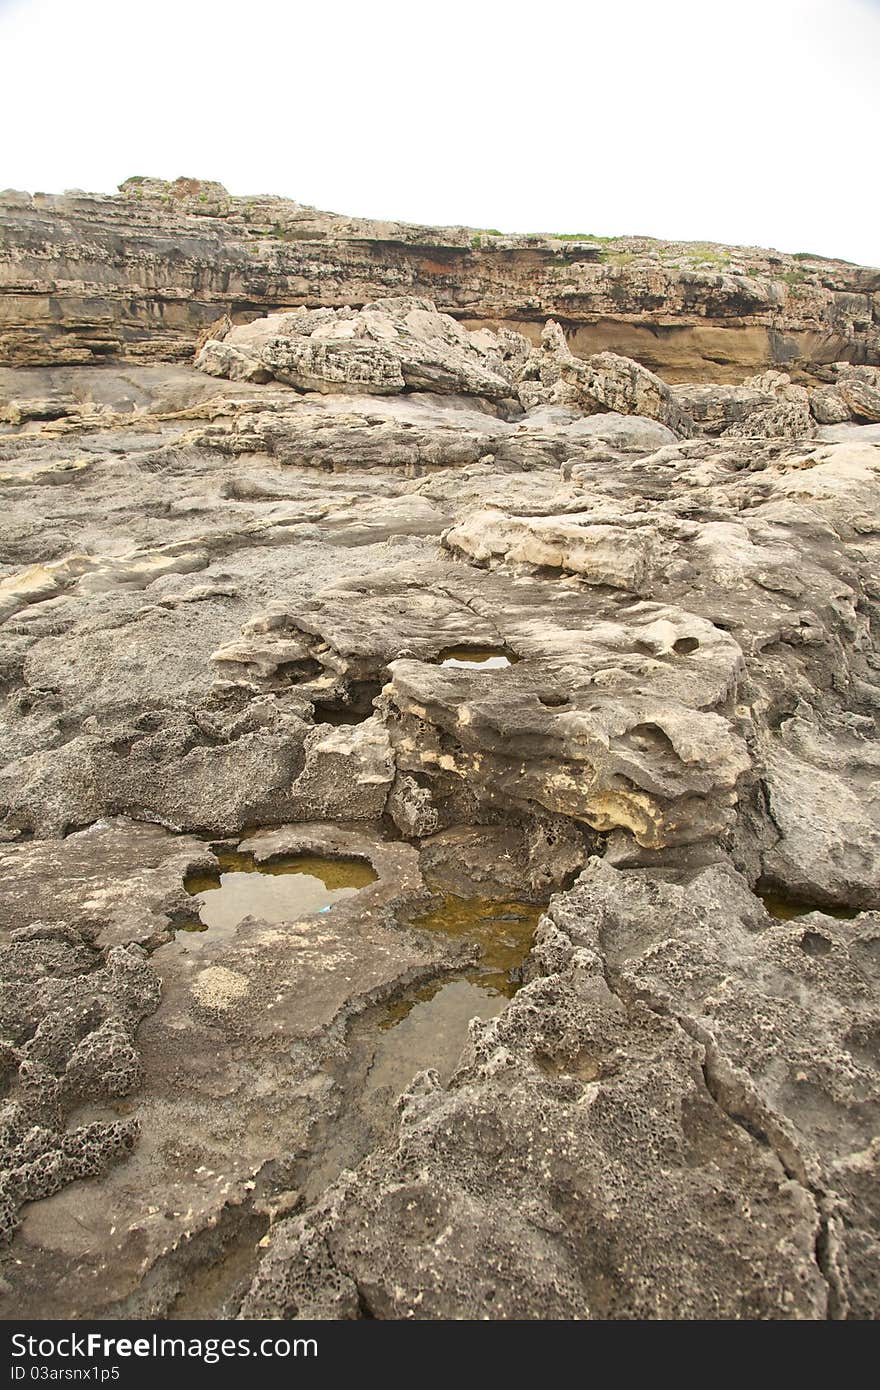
(430, 1027)
(432, 1034)
(427, 1027)
(483, 658)
(282, 890)
(503, 930)
(787, 909)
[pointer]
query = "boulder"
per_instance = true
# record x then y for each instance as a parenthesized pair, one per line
(859, 388)
(602, 382)
(386, 347)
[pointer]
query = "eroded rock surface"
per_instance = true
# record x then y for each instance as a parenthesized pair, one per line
(379, 350)
(504, 616)
(660, 1074)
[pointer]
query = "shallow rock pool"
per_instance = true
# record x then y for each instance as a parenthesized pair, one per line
(279, 890)
(787, 909)
(484, 658)
(430, 1027)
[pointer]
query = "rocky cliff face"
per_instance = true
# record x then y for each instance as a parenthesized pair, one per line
(517, 630)
(141, 275)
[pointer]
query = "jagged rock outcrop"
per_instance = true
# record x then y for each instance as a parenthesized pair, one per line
(379, 350)
(397, 345)
(600, 553)
(854, 395)
(405, 344)
(606, 381)
(623, 740)
(772, 406)
(768, 406)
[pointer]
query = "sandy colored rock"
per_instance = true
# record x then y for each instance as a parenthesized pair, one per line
(378, 350)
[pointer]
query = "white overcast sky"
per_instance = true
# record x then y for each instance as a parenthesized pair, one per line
(752, 121)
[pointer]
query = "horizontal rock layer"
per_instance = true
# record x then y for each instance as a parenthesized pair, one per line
(142, 274)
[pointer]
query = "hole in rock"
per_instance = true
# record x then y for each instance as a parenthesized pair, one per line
(150, 723)
(485, 658)
(813, 943)
(280, 890)
(650, 738)
(338, 715)
(786, 909)
(207, 1286)
(782, 708)
(354, 709)
(298, 672)
(553, 699)
(426, 1026)
(584, 1064)
(685, 645)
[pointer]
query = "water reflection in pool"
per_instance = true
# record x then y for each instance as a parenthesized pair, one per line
(483, 658)
(281, 890)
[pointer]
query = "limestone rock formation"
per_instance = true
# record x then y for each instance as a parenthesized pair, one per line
(859, 390)
(604, 381)
(764, 406)
(142, 275)
(454, 573)
(660, 1072)
(397, 345)
(68, 1021)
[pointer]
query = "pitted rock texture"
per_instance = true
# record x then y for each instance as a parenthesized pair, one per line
(232, 1069)
(68, 1020)
(679, 609)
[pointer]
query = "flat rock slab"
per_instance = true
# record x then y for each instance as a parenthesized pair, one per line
(116, 881)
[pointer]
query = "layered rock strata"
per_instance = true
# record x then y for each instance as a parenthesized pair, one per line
(143, 273)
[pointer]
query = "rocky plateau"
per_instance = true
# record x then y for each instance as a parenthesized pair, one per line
(535, 577)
